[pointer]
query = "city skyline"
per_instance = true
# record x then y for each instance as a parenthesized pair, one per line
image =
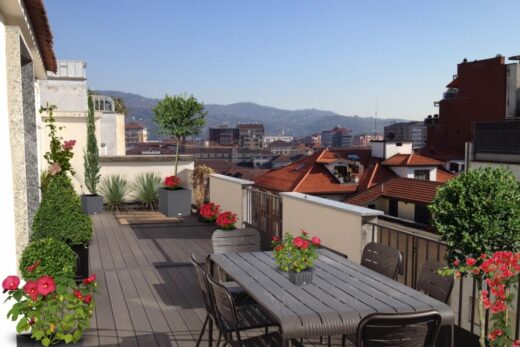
(342, 57)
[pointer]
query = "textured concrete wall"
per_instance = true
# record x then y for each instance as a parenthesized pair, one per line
(21, 109)
(229, 193)
(68, 96)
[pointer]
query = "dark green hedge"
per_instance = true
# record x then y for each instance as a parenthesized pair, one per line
(55, 257)
(60, 216)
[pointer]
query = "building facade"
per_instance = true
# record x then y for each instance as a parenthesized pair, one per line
(251, 135)
(223, 136)
(135, 133)
(414, 132)
(338, 137)
(476, 94)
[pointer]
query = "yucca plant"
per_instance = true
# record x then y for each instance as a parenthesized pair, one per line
(145, 189)
(114, 189)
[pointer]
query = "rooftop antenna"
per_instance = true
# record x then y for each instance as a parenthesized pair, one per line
(375, 122)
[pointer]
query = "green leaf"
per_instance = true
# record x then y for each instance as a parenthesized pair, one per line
(22, 325)
(37, 334)
(68, 338)
(46, 342)
(77, 335)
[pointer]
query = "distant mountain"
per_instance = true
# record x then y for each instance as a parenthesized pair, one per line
(275, 120)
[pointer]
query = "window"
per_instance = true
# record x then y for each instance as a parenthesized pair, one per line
(422, 175)
(422, 215)
(392, 208)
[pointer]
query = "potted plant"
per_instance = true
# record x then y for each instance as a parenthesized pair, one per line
(174, 200)
(60, 216)
(209, 212)
(200, 183)
(296, 256)
(91, 203)
(178, 116)
(477, 213)
(53, 308)
(145, 189)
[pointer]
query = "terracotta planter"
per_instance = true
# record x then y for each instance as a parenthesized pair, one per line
(82, 268)
(92, 204)
(175, 203)
(301, 278)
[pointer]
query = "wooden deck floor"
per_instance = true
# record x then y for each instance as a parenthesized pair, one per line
(147, 291)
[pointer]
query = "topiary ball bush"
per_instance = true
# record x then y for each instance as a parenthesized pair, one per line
(60, 216)
(478, 212)
(54, 258)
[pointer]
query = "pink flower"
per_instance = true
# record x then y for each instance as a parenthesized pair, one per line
(87, 299)
(46, 285)
(55, 169)
(69, 145)
(11, 283)
(31, 289)
(77, 294)
(33, 267)
(316, 241)
(456, 262)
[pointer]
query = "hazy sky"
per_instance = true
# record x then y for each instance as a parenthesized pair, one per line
(334, 55)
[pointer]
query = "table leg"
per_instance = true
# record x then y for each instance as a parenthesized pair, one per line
(287, 343)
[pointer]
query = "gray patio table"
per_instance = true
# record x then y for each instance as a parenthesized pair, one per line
(341, 294)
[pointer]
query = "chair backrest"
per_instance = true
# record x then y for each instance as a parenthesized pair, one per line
(200, 270)
(382, 259)
(238, 240)
(417, 329)
(432, 284)
(224, 304)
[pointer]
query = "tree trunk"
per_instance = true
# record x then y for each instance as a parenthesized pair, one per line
(177, 155)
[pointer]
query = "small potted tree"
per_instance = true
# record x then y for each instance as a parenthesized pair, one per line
(177, 116)
(476, 214)
(91, 203)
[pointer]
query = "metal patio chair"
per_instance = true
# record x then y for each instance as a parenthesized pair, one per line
(432, 284)
(382, 259)
(234, 319)
(416, 329)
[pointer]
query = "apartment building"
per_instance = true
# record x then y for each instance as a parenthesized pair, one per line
(338, 137)
(251, 135)
(414, 132)
(223, 136)
(135, 133)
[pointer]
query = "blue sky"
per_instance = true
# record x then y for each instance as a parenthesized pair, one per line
(333, 55)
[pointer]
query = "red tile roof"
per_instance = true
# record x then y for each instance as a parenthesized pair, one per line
(309, 175)
(443, 175)
(133, 125)
(376, 174)
(403, 189)
(410, 160)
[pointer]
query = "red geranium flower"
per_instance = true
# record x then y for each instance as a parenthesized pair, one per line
(226, 220)
(172, 182)
(456, 262)
(69, 145)
(316, 240)
(90, 279)
(46, 285)
(279, 247)
(87, 299)
(276, 239)
(77, 294)
(11, 283)
(471, 261)
(31, 289)
(298, 242)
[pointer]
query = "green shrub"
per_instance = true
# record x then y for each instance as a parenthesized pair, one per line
(60, 216)
(45, 180)
(145, 189)
(478, 212)
(114, 189)
(54, 258)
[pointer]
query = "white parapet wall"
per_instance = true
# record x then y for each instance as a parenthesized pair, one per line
(132, 165)
(229, 193)
(340, 226)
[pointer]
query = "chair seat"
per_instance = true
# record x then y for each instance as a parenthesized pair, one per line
(250, 317)
(273, 339)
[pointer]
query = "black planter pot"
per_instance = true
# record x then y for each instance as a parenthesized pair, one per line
(301, 278)
(82, 268)
(92, 204)
(175, 203)
(25, 340)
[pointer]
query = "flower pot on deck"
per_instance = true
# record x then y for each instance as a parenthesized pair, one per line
(174, 203)
(91, 204)
(82, 266)
(301, 278)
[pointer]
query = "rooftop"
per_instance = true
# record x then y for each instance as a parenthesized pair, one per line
(411, 160)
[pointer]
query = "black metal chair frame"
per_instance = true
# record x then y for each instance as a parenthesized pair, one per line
(233, 323)
(394, 320)
(377, 256)
(432, 284)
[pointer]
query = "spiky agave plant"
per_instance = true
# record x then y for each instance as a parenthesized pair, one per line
(114, 189)
(145, 189)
